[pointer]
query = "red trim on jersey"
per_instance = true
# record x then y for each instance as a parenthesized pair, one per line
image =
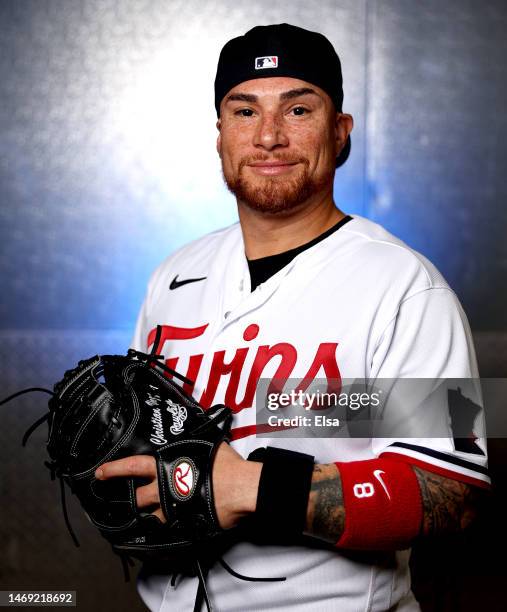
(431, 467)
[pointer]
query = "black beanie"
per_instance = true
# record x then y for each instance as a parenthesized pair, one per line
(281, 50)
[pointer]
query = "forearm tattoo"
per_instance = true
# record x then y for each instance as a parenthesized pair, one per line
(325, 517)
(448, 505)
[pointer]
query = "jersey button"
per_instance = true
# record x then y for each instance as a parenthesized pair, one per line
(226, 315)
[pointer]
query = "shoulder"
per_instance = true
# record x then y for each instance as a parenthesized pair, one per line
(386, 259)
(196, 257)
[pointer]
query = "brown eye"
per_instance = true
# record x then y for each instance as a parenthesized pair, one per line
(244, 112)
(299, 110)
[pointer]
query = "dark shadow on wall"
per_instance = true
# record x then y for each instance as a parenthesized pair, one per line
(468, 572)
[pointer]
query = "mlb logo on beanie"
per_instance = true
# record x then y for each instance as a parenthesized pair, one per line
(320, 67)
(266, 62)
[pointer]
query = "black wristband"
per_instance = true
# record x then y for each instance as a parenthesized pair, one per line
(284, 488)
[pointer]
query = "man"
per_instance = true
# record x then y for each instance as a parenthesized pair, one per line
(299, 289)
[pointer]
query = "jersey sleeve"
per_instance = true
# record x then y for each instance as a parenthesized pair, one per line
(425, 364)
(138, 341)
(142, 328)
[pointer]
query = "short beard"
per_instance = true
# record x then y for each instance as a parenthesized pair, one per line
(277, 195)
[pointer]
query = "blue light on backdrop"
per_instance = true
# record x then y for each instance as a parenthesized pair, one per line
(108, 164)
(107, 146)
(108, 160)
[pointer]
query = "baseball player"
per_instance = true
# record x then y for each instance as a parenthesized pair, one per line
(299, 289)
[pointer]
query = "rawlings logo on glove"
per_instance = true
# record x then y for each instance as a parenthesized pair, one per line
(183, 478)
(114, 406)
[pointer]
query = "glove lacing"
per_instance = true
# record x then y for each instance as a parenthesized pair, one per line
(202, 592)
(55, 471)
(151, 359)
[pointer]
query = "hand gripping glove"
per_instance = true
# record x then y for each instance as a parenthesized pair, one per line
(112, 406)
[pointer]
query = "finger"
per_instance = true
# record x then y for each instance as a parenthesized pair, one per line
(147, 495)
(160, 515)
(138, 465)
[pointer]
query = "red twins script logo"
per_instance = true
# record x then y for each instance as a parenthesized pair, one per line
(183, 478)
(323, 364)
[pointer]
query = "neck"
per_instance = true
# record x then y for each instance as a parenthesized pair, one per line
(269, 234)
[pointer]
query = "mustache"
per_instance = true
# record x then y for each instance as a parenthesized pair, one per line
(279, 157)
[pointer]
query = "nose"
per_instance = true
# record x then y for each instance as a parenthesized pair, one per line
(270, 133)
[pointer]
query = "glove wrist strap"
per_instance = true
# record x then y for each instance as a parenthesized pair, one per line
(284, 488)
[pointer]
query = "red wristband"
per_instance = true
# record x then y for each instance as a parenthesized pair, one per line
(383, 506)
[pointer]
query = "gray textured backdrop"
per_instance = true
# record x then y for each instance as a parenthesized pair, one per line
(107, 164)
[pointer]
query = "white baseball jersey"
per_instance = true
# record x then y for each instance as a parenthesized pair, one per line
(358, 304)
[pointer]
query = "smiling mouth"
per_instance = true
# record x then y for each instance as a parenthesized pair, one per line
(271, 168)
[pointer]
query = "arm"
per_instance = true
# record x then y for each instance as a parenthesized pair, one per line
(448, 505)
(235, 483)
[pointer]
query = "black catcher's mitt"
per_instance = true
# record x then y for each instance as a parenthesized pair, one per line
(112, 406)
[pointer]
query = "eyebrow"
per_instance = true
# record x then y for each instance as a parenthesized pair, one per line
(295, 93)
(286, 95)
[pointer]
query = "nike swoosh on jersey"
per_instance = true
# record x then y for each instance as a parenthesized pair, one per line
(175, 283)
(377, 474)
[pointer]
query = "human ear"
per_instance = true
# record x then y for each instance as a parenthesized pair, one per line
(344, 124)
(219, 137)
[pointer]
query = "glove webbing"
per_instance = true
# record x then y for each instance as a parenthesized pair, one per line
(152, 360)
